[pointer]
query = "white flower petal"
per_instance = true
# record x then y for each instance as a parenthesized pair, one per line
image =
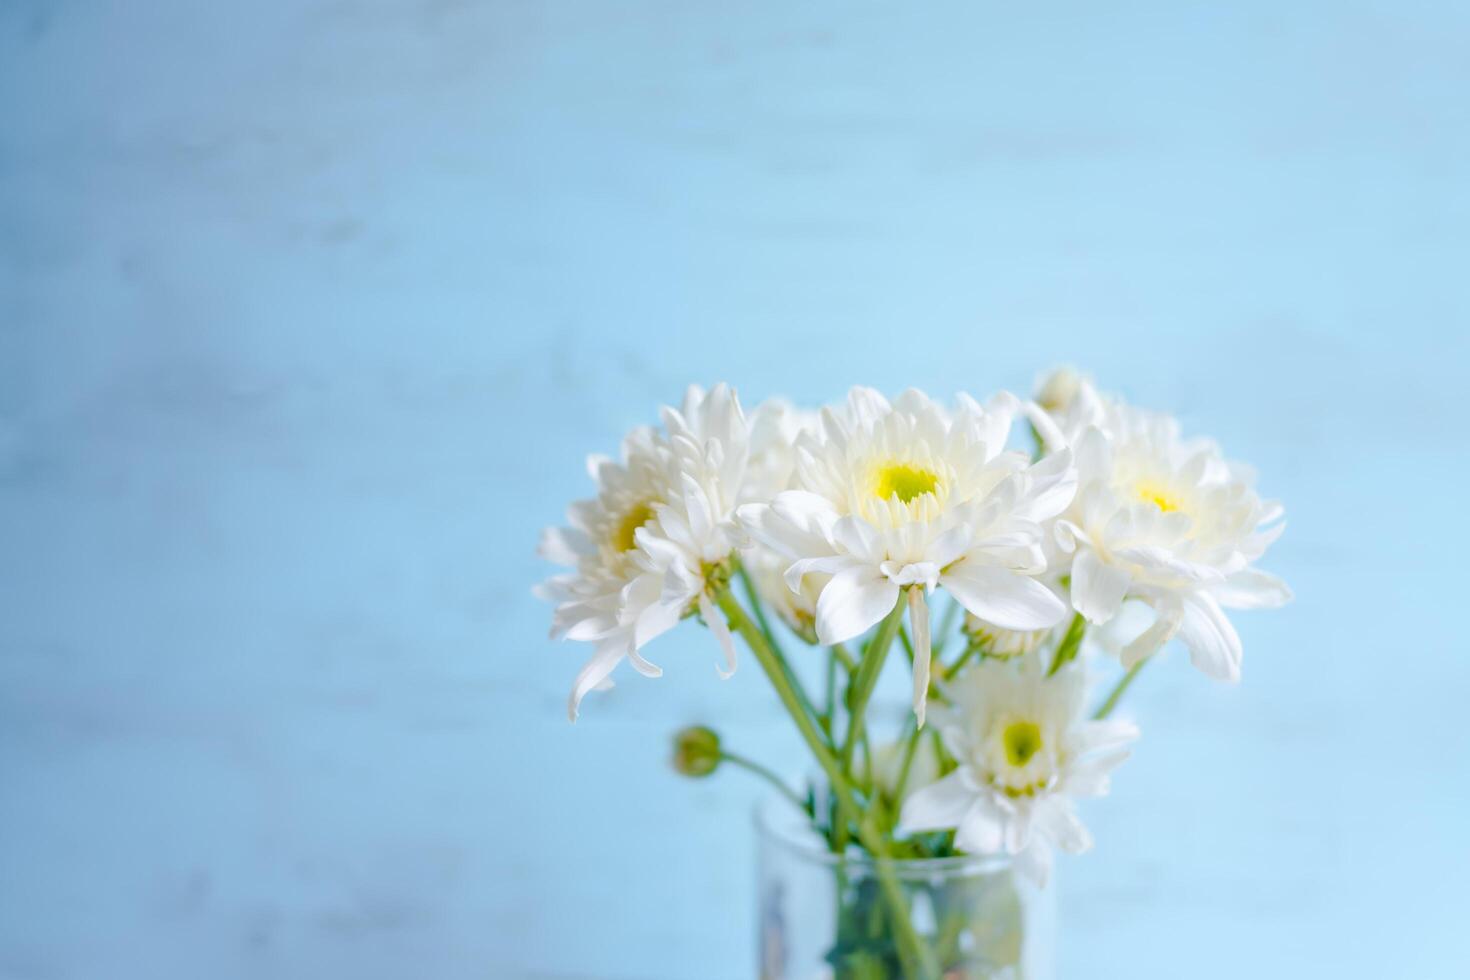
(982, 830)
(644, 667)
(866, 405)
(852, 602)
(1098, 589)
(919, 619)
(702, 519)
(595, 464)
(565, 545)
(1265, 537)
(1051, 436)
(1251, 589)
(1018, 827)
(1053, 483)
(1093, 453)
(938, 806)
(595, 671)
(656, 604)
(1214, 646)
(1057, 820)
(589, 627)
(715, 620)
(955, 542)
(811, 512)
(858, 538)
(1157, 559)
(995, 421)
(1104, 736)
(1168, 615)
(923, 573)
(1091, 777)
(1068, 535)
(797, 572)
(1002, 597)
(796, 523)
(1035, 862)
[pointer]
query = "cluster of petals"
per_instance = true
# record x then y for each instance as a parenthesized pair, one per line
(909, 494)
(641, 550)
(840, 516)
(1163, 519)
(1025, 752)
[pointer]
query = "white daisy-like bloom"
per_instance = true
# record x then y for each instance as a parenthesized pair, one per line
(1166, 520)
(642, 549)
(889, 496)
(1025, 751)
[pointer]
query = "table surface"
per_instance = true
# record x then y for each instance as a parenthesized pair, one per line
(311, 310)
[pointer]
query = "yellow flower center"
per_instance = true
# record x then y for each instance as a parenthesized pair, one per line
(903, 481)
(1022, 740)
(1162, 499)
(639, 515)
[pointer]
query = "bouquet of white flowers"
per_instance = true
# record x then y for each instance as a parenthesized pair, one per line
(846, 525)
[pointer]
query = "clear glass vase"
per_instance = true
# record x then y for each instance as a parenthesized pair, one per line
(957, 918)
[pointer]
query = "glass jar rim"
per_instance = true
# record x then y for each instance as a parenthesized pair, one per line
(777, 824)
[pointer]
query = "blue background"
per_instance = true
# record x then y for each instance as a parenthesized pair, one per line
(310, 311)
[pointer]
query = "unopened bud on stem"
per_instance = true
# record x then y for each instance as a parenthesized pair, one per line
(696, 751)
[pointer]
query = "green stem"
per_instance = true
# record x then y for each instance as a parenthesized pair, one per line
(829, 716)
(1071, 642)
(1118, 689)
(964, 658)
(859, 690)
(867, 764)
(751, 766)
(808, 729)
(866, 678)
(909, 943)
(759, 609)
(909, 751)
(775, 646)
(1040, 450)
(843, 657)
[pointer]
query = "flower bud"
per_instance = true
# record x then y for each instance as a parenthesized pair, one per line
(1055, 391)
(696, 751)
(1003, 644)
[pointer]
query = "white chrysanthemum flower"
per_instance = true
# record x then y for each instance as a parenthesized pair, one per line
(1025, 752)
(1166, 520)
(642, 549)
(907, 494)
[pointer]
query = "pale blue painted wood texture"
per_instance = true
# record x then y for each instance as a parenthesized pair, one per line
(310, 311)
